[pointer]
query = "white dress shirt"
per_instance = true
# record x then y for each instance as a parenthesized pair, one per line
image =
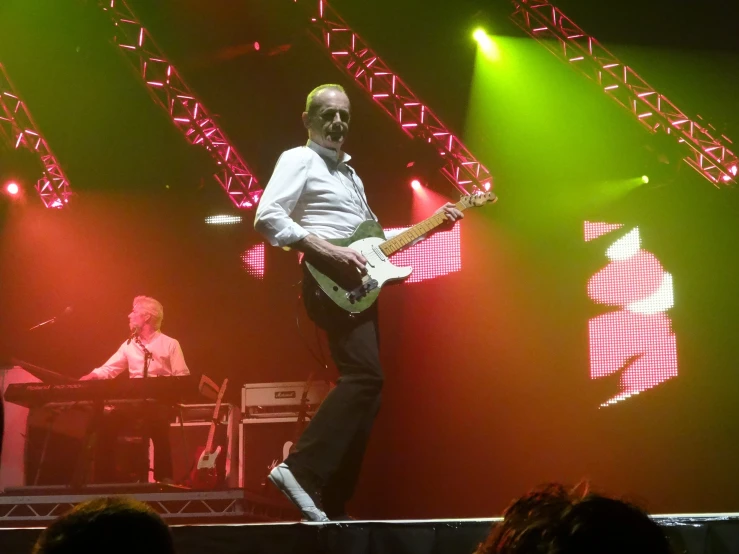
(167, 359)
(311, 191)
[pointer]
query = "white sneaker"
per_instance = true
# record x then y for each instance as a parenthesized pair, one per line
(283, 479)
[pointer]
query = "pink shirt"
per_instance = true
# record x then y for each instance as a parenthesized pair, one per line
(167, 359)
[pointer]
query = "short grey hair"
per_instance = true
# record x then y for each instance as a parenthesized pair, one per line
(310, 101)
(151, 306)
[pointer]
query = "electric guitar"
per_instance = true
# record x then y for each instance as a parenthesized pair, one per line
(205, 475)
(356, 295)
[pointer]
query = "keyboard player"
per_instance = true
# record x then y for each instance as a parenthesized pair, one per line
(147, 353)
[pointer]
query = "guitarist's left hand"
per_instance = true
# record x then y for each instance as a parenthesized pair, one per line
(452, 215)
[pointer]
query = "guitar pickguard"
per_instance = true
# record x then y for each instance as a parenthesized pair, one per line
(357, 296)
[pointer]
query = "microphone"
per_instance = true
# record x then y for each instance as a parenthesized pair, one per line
(68, 310)
(133, 335)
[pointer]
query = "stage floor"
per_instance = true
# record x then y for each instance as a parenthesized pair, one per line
(690, 534)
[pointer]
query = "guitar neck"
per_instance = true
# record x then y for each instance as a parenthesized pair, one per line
(214, 423)
(405, 238)
(211, 435)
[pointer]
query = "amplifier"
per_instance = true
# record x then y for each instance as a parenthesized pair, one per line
(272, 400)
(190, 432)
(265, 443)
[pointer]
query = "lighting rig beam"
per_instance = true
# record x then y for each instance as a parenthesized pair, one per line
(354, 56)
(708, 155)
(18, 128)
(171, 92)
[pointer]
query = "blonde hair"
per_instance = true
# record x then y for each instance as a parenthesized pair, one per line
(150, 306)
(310, 102)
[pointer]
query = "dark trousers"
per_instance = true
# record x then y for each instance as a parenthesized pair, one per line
(148, 422)
(330, 451)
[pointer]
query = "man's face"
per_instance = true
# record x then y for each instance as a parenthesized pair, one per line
(137, 319)
(328, 125)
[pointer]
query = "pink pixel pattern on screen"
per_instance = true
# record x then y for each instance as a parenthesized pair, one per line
(635, 338)
(252, 260)
(440, 254)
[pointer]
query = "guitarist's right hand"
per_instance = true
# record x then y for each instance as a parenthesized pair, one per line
(346, 260)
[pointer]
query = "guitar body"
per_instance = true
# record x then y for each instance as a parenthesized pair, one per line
(357, 295)
(205, 474)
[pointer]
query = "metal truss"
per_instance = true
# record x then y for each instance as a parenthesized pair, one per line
(708, 155)
(172, 506)
(171, 92)
(18, 128)
(352, 54)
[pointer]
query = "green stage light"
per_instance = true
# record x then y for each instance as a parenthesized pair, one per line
(644, 179)
(487, 44)
(480, 35)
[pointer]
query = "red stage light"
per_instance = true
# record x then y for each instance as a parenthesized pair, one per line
(12, 188)
(256, 46)
(416, 184)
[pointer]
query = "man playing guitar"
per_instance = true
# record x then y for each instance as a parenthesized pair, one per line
(312, 197)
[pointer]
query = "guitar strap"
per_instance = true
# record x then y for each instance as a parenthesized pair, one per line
(358, 191)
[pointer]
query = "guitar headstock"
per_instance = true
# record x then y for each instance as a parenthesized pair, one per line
(478, 199)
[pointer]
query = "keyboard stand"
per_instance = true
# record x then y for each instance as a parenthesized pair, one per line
(53, 414)
(81, 476)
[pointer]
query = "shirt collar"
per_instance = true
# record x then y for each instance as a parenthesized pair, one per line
(328, 153)
(152, 338)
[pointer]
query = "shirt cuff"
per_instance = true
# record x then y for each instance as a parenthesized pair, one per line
(288, 235)
(100, 372)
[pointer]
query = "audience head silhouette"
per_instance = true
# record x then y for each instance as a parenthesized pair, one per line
(553, 520)
(111, 525)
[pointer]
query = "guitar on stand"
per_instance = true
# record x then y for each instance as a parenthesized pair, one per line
(204, 474)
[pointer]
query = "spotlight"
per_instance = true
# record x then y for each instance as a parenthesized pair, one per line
(645, 179)
(416, 184)
(12, 188)
(486, 43)
(733, 170)
(256, 46)
(223, 219)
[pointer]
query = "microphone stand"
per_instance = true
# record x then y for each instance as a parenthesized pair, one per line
(67, 311)
(48, 321)
(147, 355)
(147, 434)
(147, 359)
